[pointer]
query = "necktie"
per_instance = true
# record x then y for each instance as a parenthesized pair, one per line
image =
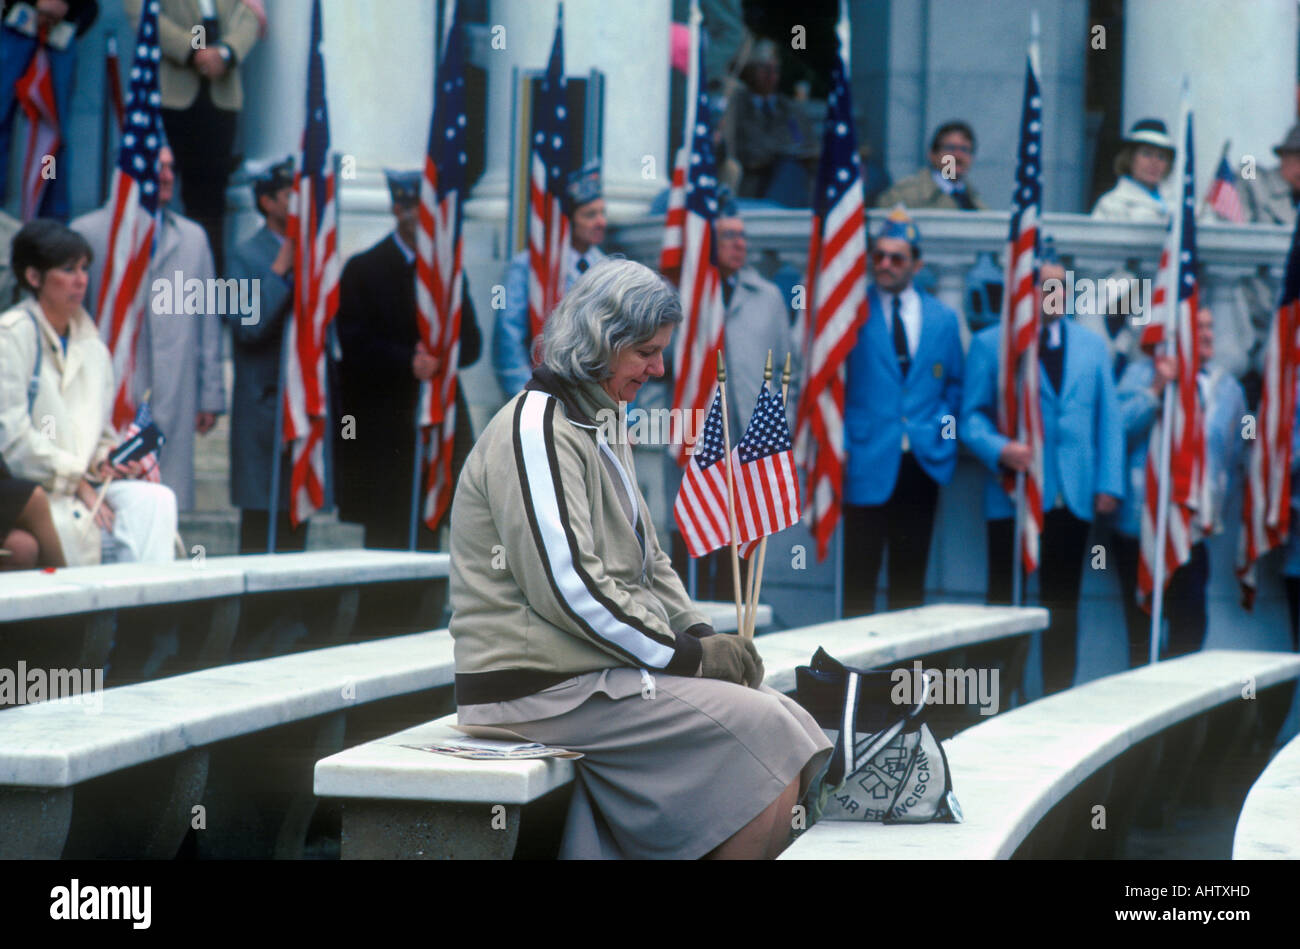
(900, 340)
(1051, 357)
(582, 265)
(728, 288)
(963, 200)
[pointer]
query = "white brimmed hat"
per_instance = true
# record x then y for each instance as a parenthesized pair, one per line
(1150, 132)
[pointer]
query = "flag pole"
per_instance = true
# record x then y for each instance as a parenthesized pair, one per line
(756, 560)
(731, 495)
(1170, 394)
(277, 448)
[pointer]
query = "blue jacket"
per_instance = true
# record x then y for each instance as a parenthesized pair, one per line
(880, 406)
(1224, 454)
(1083, 436)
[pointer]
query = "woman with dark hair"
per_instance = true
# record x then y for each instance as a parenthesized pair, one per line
(56, 400)
(572, 629)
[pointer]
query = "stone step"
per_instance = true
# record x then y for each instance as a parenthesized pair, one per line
(217, 532)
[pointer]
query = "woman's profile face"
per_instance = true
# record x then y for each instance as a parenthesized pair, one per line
(636, 365)
(64, 287)
(1150, 165)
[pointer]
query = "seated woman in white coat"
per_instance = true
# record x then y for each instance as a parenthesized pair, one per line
(56, 401)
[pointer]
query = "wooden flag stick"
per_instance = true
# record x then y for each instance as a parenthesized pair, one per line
(762, 547)
(750, 605)
(731, 496)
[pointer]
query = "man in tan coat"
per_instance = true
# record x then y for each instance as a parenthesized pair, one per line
(203, 44)
(944, 183)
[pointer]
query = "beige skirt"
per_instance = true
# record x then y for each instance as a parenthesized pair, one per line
(671, 770)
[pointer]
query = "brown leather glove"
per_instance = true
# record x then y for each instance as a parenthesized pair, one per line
(732, 659)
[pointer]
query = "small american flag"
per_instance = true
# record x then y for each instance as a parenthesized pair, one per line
(140, 442)
(134, 200)
(548, 226)
(837, 301)
(767, 488)
(438, 284)
(699, 286)
(1019, 411)
(1266, 501)
(1223, 197)
(312, 228)
(35, 93)
(1189, 510)
(701, 506)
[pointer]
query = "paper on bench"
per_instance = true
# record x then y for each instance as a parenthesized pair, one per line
(494, 749)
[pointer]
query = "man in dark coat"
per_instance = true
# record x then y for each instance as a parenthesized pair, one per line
(380, 373)
(267, 256)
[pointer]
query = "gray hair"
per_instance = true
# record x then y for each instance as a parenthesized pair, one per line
(616, 304)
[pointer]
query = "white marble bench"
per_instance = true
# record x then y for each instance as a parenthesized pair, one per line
(121, 779)
(405, 803)
(70, 617)
(1011, 772)
(1269, 825)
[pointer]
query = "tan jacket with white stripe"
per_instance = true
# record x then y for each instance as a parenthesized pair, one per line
(555, 566)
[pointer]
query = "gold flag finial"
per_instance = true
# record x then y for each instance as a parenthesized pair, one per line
(785, 373)
(767, 370)
(722, 368)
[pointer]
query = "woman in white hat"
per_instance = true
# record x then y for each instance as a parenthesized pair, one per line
(1142, 165)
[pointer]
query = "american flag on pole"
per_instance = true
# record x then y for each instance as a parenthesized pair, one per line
(837, 309)
(35, 93)
(699, 286)
(312, 228)
(1223, 197)
(140, 442)
(767, 488)
(1188, 504)
(1019, 411)
(548, 226)
(438, 269)
(1266, 501)
(134, 200)
(701, 506)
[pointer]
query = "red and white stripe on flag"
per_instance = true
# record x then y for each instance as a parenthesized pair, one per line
(35, 93)
(670, 257)
(312, 227)
(767, 487)
(837, 310)
(548, 233)
(1266, 499)
(701, 505)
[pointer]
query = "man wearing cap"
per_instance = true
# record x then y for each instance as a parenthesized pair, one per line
(177, 354)
(944, 183)
(1268, 198)
(380, 373)
(512, 341)
(1142, 166)
(267, 257)
(1083, 449)
(902, 397)
(772, 138)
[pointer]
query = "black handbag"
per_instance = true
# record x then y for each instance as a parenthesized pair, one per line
(887, 765)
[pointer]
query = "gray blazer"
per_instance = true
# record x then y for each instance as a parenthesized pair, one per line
(256, 349)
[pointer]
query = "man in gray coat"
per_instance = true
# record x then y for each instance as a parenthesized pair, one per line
(178, 351)
(266, 257)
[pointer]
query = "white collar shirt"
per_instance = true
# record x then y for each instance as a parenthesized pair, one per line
(909, 309)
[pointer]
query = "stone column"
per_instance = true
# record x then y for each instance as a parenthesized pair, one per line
(379, 63)
(631, 49)
(1241, 65)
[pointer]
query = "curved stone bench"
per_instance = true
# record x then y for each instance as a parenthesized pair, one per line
(1269, 826)
(1040, 770)
(137, 617)
(401, 802)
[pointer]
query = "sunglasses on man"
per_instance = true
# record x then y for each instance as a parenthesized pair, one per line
(895, 259)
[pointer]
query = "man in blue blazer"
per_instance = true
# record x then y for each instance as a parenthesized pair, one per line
(901, 402)
(1083, 456)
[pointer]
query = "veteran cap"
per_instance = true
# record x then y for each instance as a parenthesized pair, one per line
(404, 186)
(583, 186)
(272, 178)
(898, 224)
